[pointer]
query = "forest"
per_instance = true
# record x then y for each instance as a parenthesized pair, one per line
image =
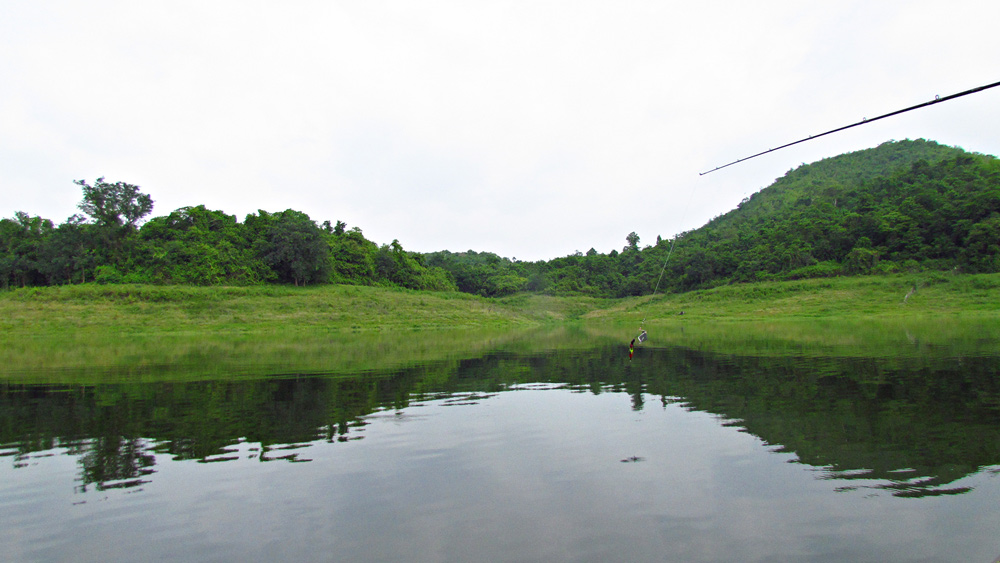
(902, 206)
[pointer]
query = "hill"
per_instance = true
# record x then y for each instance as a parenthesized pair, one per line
(904, 205)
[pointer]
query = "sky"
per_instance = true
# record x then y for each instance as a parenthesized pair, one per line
(533, 130)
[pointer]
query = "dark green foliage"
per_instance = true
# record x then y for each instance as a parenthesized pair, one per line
(408, 269)
(116, 209)
(198, 246)
(22, 241)
(68, 254)
(353, 256)
(480, 273)
(291, 245)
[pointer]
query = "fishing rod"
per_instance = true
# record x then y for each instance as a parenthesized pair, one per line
(936, 100)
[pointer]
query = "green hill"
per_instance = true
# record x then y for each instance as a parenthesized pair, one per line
(901, 206)
(831, 178)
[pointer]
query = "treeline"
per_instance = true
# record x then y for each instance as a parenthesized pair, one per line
(902, 206)
(616, 274)
(196, 245)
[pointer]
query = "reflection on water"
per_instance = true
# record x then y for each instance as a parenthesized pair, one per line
(543, 437)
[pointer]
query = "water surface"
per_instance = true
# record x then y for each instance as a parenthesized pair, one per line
(554, 453)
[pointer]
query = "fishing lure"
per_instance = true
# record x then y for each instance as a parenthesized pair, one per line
(631, 345)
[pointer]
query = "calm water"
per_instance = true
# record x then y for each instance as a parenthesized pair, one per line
(575, 455)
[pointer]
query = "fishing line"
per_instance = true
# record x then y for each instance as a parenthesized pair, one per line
(672, 243)
(641, 337)
(936, 100)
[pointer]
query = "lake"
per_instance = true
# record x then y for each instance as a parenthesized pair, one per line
(521, 448)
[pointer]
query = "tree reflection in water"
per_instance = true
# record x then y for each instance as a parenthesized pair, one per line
(909, 426)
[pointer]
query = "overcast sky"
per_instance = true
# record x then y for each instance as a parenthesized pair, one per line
(530, 129)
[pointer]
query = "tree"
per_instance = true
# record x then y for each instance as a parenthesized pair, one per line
(633, 241)
(114, 205)
(116, 210)
(21, 244)
(982, 246)
(860, 261)
(68, 252)
(293, 246)
(353, 256)
(198, 246)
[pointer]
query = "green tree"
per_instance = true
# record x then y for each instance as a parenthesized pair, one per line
(114, 205)
(292, 245)
(982, 245)
(22, 241)
(353, 256)
(116, 209)
(633, 241)
(860, 261)
(69, 252)
(199, 246)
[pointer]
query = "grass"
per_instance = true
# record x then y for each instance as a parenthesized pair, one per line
(883, 297)
(140, 331)
(139, 309)
(152, 310)
(136, 332)
(859, 316)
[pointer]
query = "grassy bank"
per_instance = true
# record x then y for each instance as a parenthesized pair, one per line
(140, 332)
(146, 308)
(883, 297)
(141, 309)
(161, 332)
(897, 315)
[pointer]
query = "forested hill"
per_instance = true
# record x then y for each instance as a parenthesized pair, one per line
(901, 206)
(836, 175)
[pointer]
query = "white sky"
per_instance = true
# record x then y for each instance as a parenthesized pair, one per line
(529, 129)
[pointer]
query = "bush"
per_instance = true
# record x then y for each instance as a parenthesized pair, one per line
(860, 261)
(107, 274)
(826, 269)
(885, 268)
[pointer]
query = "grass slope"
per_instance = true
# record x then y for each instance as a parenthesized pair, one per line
(140, 309)
(92, 332)
(843, 298)
(167, 309)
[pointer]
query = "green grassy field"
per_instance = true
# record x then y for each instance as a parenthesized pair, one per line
(141, 331)
(157, 309)
(894, 296)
